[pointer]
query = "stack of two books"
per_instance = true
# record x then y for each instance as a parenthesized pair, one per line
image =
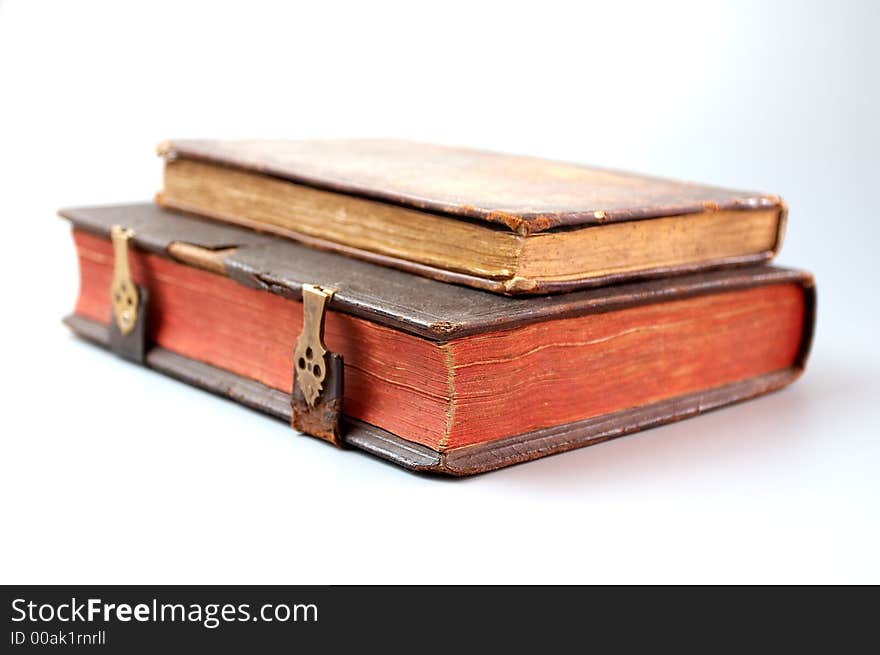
(446, 309)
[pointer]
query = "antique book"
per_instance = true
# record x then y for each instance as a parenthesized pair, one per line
(503, 223)
(437, 377)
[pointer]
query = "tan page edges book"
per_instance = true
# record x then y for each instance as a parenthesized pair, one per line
(504, 223)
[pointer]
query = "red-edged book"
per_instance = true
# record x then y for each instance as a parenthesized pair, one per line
(429, 375)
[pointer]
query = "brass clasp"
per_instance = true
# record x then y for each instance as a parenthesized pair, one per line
(123, 292)
(318, 374)
(310, 352)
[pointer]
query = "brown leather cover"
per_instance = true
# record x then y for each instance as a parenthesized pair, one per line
(429, 309)
(524, 194)
(413, 304)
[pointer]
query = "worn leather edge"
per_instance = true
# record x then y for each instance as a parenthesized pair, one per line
(481, 458)
(809, 329)
(193, 149)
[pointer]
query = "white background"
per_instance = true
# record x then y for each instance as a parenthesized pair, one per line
(113, 474)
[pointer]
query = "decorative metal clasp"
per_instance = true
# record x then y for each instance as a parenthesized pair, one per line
(123, 292)
(128, 330)
(309, 355)
(317, 373)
